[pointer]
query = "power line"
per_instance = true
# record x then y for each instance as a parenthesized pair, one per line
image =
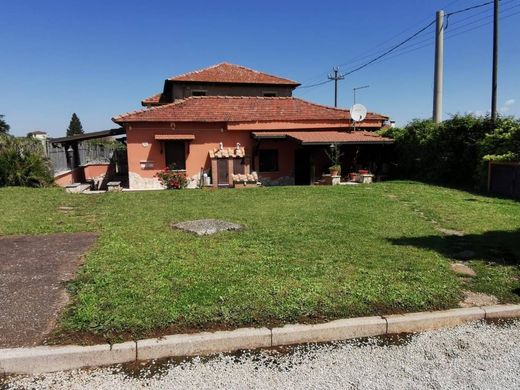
(392, 49)
(314, 85)
(413, 36)
(401, 53)
(404, 49)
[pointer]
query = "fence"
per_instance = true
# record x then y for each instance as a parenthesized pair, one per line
(88, 152)
(504, 179)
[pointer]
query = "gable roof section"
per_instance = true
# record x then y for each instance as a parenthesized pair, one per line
(152, 100)
(230, 73)
(238, 109)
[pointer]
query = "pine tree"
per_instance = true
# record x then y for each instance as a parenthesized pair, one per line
(74, 126)
(4, 127)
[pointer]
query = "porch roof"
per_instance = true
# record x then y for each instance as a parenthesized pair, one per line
(325, 137)
(88, 136)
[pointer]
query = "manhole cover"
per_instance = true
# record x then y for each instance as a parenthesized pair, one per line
(203, 227)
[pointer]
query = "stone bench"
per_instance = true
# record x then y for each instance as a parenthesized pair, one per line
(113, 186)
(77, 187)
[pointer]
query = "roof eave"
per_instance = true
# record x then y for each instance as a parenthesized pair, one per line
(288, 83)
(321, 143)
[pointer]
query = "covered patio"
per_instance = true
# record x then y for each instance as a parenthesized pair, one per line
(307, 153)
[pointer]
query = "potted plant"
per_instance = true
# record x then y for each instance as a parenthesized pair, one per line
(335, 170)
(334, 156)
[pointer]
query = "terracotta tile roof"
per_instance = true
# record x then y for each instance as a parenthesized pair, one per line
(227, 152)
(326, 137)
(230, 73)
(155, 99)
(174, 137)
(238, 109)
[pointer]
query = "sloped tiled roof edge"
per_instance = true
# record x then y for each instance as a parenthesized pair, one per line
(238, 109)
(225, 72)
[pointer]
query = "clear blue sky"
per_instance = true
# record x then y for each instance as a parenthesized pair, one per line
(100, 58)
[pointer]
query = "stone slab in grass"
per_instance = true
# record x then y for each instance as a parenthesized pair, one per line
(463, 270)
(204, 227)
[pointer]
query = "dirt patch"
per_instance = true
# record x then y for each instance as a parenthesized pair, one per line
(472, 299)
(450, 232)
(33, 270)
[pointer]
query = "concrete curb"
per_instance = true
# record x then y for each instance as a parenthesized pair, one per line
(38, 360)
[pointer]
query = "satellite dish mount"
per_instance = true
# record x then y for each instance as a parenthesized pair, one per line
(358, 113)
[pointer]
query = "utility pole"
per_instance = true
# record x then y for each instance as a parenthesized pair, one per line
(495, 64)
(336, 76)
(439, 67)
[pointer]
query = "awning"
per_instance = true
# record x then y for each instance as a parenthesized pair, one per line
(174, 137)
(326, 137)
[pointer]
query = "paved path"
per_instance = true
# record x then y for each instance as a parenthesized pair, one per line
(32, 272)
(474, 356)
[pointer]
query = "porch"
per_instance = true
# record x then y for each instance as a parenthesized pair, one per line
(304, 157)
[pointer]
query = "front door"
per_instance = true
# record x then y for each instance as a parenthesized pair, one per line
(302, 167)
(222, 167)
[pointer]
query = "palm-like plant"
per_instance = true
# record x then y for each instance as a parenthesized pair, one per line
(22, 163)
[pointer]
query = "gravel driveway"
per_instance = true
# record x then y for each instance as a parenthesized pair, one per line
(475, 356)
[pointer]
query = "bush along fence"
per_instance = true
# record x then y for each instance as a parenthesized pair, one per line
(456, 152)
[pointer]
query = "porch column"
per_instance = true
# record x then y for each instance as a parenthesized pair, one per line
(214, 173)
(231, 166)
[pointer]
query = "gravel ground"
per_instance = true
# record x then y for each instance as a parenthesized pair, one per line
(474, 356)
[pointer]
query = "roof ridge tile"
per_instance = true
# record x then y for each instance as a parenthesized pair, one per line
(230, 76)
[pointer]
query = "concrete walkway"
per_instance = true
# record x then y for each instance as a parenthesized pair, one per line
(32, 291)
(476, 356)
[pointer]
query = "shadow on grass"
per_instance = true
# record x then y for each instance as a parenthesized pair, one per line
(501, 247)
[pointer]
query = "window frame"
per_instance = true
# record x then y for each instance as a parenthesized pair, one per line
(269, 93)
(261, 165)
(166, 154)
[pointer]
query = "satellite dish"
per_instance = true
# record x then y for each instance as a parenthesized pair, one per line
(358, 112)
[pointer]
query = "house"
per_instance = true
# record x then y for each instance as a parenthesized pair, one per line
(227, 119)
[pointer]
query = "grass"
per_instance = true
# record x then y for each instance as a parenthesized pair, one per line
(306, 254)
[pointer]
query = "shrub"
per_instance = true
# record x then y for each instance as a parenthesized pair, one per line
(172, 178)
(23, 163)
(455, 152)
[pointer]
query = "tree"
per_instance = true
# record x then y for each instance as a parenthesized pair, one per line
(75, 126)
(4, 127)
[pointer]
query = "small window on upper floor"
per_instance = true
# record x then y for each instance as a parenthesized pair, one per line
(269, 94)
(198, 93)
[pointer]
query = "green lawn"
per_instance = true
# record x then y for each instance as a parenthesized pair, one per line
(306, 254)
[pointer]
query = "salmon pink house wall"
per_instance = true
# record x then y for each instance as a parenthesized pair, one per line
(147, 155)
(245, 117)
(84, 172)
